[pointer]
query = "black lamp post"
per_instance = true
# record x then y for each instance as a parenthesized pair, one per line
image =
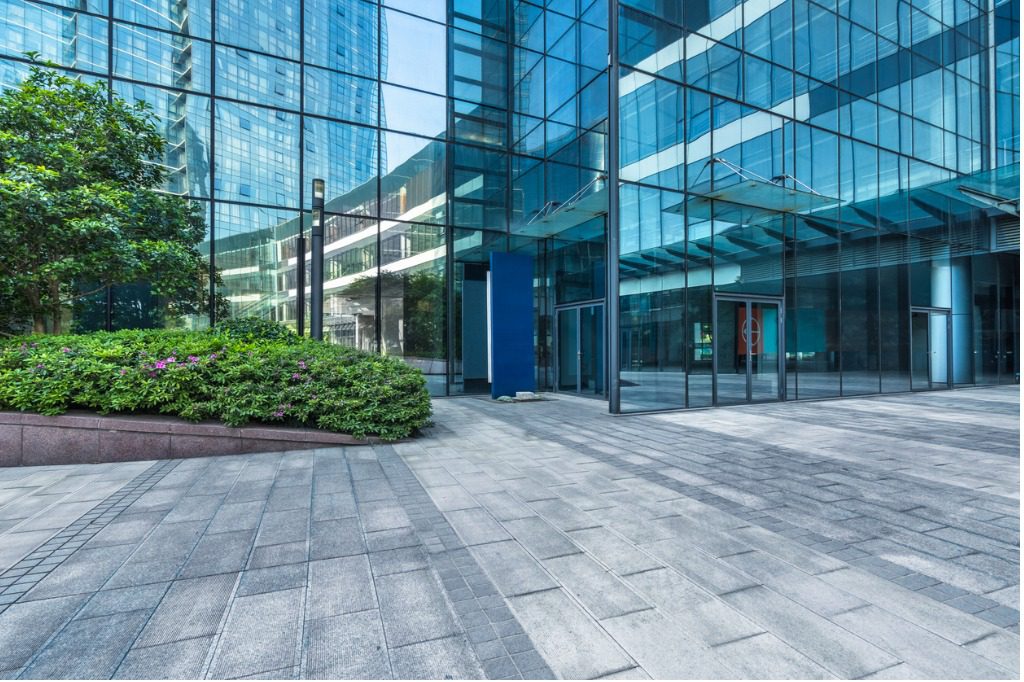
(316, 301)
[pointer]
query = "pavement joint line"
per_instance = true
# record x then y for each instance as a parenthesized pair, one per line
(85, 529)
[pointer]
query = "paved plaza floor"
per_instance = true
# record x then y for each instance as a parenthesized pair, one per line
(861, 538)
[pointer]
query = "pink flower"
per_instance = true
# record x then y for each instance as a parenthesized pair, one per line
(123, 371)
(193, 359)
(302, 364)
(172, 359)
(296, 376)
(65, 349)
(279, 413)
(160, 364)
(152, 374)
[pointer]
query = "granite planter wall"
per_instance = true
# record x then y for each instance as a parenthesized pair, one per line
(82, 437)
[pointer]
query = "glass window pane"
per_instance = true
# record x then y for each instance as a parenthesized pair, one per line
(192, 17)
(347, 35)
(344, 156)
(416, 54)
(159, 58)
(412, 288)
(71, 39)
(251, 260)
(413, 178)
(411, 111)
(339, 95)
(270, 26)
(255, 155)
(256, 78)
(184, 121)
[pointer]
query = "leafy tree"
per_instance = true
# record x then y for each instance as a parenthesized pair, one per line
(79, 202)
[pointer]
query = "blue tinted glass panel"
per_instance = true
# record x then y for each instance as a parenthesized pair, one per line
(256, 78)
(159, 58)
(67, 38)
(255, 155)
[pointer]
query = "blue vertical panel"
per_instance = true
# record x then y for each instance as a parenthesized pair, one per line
(511, 312)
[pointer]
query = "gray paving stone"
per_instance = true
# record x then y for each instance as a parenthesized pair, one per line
(413, 609)
(476, 526)
(382, 515)
(278, 555)
(710, 573)
(512, 569)
(1001, 647)
(504, 507)
(398, 560)
(446, 658)
(90, 648)
(706, 619)
(333, 506)
(237, 516)
(195, 508)
(540, 538)
(82, 573)
(271, 579)
(831, 647)
(128, 528)
(336, 538)
(261, 634)
(452, 497)
(161, 555)
(943, 620)
(610, 549)
(932, 655)
(767, 656)
(172, 661)
(191, 608)
(347, 646)
(219, 553)
(108, 602)
(599, 591)
(339, 586)
(26, 626)
(812, 592)
(569, 640)
(562, 515)
(278, 527)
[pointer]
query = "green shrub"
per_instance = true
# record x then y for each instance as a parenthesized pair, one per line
(252, 329)
(203, 375)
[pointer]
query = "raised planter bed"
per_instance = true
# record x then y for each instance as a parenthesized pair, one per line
(80, 437)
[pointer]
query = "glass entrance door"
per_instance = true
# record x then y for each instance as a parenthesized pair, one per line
(747, 351)
(929, 349)
(580, 352)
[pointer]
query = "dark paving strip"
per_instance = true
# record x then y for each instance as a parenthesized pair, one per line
(495, 634)
(24, 575)
(843, 550)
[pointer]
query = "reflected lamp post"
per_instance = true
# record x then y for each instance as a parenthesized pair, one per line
(300, 280)
(316, 301)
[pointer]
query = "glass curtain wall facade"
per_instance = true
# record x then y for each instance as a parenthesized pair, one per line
(791, 220)
(802, 199)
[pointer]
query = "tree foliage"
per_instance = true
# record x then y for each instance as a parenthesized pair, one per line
(79, 203)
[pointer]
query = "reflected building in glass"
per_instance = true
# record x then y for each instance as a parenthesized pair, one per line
(724, 201)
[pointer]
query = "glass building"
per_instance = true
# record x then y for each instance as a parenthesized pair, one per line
(725, 201)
